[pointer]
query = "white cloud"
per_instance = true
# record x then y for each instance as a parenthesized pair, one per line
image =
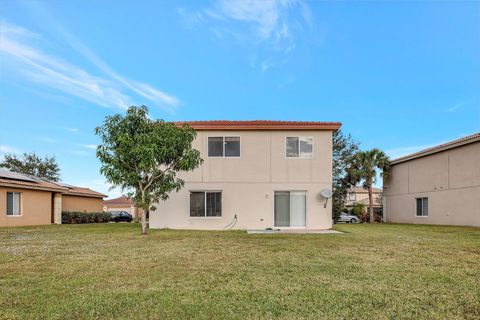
(403, 151)
(143, 89)
(21, 47)
(73, 129)
(17, 30)
(459, 105)
(263, 15)
(104, 187)
(46, 139)
(90, 146)
(267, 27)
(269, 19)
(8, 149)
(79, 153)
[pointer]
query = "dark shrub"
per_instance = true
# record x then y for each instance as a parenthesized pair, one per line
(69, 217)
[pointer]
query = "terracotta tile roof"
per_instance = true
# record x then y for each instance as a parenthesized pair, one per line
(119, 200)
(25, 181)
(260, 125)
(363, 190)
(442, 147)
(366, 202)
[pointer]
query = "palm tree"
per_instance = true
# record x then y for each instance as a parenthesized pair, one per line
(364, 168)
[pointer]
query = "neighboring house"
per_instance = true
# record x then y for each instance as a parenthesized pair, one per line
(359, 195)
(255, 175)
(121, 204)
(439, 185)
(28, 200)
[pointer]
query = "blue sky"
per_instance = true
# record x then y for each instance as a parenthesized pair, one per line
(399, 75)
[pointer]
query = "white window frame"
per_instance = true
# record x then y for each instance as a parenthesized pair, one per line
(205, 203)
(224, 144)
(20, 207)
(416, 213)
(352, 195)
(299, 139)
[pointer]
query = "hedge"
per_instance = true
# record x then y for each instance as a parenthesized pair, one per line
(69, 217)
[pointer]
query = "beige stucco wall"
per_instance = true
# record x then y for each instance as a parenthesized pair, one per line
(35, 207)
(359, 196)
(248, 183)
(451, 181)
(81, 204)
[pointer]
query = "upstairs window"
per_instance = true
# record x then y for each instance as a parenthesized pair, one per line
(13, 203)
(224, 146)
(299, 147)
(352, 197)
(422, 207)
(206, 204)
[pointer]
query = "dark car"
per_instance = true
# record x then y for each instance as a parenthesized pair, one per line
(119, 216)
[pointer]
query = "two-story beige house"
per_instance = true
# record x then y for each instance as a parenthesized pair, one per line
(439, 185)
(359, 195)
(255, 175)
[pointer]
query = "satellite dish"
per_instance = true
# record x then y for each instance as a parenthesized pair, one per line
(326, 193)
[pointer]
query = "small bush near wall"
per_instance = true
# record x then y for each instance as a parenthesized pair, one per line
(69, 217)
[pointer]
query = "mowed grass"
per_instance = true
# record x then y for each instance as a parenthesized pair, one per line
(111, 272)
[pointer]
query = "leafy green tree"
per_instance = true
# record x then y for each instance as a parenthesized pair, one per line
(364, 168)
(143, 157)
(32, 164)
(344, 148)
(358, 209)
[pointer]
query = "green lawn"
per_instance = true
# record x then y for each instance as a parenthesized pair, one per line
(112, 272)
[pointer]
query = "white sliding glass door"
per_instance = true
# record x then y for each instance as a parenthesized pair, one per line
(298, 209)
(290, 209)
(282, 209)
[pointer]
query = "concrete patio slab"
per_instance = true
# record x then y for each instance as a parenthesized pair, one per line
(293, 231)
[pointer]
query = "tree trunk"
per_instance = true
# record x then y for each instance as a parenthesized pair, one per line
(144, 222)
(370, 204)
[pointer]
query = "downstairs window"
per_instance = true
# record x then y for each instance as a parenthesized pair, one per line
(422, 207)
(13, 203)
(206, 204)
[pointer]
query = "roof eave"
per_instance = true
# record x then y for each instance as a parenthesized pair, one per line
(259, 125)
(434, 150)
(39, 188)
(99, 196)
(329, 127)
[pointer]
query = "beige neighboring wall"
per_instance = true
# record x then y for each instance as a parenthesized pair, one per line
(81, 204)
(451, 181)
(248, 182)
(119, 207)
(35, 207)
